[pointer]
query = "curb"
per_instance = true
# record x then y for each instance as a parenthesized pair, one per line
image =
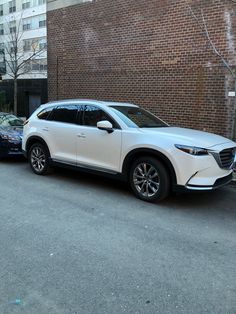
(233, 182)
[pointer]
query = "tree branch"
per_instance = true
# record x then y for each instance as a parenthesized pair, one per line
(203, 26)
(14, 51)
(30, 58)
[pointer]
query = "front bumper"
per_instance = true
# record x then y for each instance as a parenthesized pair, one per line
(201, 172)
(218, 184)
(201, 188)
(10, 148)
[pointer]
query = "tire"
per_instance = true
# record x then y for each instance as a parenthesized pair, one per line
(39, 158)
(149, 179)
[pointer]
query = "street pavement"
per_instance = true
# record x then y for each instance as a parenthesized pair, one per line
(78, 243)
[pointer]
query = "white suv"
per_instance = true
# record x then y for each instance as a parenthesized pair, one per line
(125, 140)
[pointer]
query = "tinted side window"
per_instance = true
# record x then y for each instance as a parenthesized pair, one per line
(44, 114)
(93, 114)
(80, 109)
(66, 114)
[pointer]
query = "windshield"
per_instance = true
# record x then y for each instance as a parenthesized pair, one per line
(135, 117)
(10, 120)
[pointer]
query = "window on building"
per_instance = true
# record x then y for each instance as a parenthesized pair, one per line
(12, 6)
(27, 44)
(34, 22)
(2, 57)
(35, 44)
(37, 65)
(42, 43)
(1, 29)
(42, 23)
(12, 27)
(25, 4)
(41, 2)
(2, 46)
(2, 66)
(43, 64)
(41, 20)
(26, 24)
(27, 67)
(12, 47)
(13, 50)
(1, 9)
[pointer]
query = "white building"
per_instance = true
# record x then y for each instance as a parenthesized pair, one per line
(28, 17)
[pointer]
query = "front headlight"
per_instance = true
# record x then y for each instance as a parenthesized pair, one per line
(192, 150)
(8, 137)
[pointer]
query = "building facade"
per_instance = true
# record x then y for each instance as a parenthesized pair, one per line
(160, 54)
(28, 19)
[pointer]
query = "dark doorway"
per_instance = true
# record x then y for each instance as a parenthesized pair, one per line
(34, 103)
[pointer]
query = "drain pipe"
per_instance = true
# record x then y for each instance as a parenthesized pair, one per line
(234, 129)
(234, 114)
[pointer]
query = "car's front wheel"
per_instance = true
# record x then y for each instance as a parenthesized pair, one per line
(149, 179)
(39, 158)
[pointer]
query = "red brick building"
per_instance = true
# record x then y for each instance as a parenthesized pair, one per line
(149, 52)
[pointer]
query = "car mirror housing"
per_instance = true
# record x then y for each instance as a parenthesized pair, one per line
(105, 125)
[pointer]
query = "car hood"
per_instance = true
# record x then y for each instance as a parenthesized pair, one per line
(185, 136)
(14, 130)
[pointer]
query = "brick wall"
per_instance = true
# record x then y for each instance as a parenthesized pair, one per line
(150, 52)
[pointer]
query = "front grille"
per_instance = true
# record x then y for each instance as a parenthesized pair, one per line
(227, 157)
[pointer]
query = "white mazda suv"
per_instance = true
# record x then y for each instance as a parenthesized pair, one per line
(124, 140)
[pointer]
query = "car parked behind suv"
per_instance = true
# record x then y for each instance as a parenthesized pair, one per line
(11, 129)
(125, 140)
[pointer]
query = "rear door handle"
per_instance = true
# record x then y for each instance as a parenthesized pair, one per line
(81, 135)
(46, 129)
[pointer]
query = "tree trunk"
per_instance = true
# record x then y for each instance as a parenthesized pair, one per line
(15, 96)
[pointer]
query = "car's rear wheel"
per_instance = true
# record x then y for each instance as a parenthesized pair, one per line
(149, 179)
(39, 158)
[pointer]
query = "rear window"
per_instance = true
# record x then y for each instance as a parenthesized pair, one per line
(67, 114)
(44, 114)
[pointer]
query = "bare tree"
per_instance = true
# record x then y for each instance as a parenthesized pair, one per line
(18, 62)
(201, 22)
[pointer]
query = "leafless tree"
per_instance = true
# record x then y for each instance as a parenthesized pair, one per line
(201, 22)
(17, 61)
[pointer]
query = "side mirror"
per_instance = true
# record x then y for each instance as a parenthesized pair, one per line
(105, 125)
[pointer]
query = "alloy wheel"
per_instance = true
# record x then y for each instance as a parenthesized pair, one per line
(38, 159)
(146, 179)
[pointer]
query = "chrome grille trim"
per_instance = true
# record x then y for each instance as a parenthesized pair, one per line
(225, 158)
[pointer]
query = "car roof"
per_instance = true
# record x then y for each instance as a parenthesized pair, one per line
(91, 102)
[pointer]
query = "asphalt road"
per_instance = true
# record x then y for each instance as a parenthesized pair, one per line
(76, 243)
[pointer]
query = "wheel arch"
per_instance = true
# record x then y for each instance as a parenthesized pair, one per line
(140, 152)
(35, 139)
